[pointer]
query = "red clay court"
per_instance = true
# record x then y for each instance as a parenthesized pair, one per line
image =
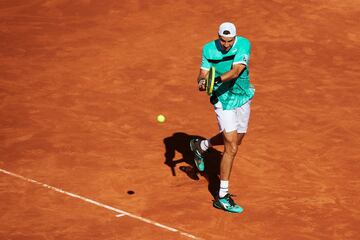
(81, 83)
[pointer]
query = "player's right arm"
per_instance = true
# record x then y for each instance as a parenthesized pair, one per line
(204, 69)
(201, 79)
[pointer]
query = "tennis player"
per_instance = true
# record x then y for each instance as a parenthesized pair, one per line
(232, 95)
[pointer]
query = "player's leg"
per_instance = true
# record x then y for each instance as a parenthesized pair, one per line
(224, 200)
(232, 139)
(238, 121)
(228, 126)
(230, 150)
(228, 120)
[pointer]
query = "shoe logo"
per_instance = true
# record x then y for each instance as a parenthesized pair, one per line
(226, 206)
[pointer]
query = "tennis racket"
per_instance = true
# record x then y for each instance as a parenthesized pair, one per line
(209, 81)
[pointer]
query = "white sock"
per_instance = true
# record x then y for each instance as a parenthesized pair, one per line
(205, 144)
(224, 188)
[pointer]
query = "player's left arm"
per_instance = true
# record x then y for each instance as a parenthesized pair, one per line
(235, 71)
(241, 61)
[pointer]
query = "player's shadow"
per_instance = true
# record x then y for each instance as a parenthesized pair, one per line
(179, 142)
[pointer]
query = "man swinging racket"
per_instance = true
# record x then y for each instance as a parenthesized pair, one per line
(224, 75)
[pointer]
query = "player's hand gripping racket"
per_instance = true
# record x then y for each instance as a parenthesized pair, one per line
(209, 81)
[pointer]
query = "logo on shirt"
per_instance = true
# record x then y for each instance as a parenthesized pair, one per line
(245, 58)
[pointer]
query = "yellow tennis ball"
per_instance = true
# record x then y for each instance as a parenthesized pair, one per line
(160, 118)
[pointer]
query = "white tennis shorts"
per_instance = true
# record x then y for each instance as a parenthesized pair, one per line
(235, 119)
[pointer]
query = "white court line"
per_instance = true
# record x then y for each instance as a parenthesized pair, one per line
(121, 212)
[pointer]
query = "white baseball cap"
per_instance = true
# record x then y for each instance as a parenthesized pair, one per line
(227, 29)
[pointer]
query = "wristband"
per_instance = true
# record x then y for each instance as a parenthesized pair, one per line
(218, 79)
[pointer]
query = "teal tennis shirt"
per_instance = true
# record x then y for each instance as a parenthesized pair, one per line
(236, 92)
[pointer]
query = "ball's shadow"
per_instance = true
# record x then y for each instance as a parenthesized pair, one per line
(179, 142)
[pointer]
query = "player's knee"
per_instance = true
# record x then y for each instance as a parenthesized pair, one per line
(231, 149)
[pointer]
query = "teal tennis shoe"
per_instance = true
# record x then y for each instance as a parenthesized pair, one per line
(227, 204)
(198, 157)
